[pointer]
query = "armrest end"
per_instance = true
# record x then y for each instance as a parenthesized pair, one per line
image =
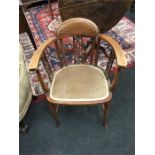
(120, 55)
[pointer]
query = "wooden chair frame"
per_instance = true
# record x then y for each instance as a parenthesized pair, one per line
(71, 28)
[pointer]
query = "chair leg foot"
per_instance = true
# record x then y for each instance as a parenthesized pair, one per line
(23, 128)
(53, 110)
(105, 125)
(105, 114)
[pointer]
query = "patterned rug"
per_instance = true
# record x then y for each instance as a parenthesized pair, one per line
(39, 21)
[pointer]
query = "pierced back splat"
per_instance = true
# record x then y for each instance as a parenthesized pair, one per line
(82, 47)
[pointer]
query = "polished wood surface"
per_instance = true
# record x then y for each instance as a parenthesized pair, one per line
(23, 25)
(33, 65)
(114, 81)
(30, 3)
(105, 13)
(106, 108)
(53, 109)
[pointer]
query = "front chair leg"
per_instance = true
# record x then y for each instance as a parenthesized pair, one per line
(53, 110)
(105, 107)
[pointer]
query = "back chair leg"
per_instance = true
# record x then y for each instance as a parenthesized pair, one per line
(105, 107)
(53, 110)
(50, 8)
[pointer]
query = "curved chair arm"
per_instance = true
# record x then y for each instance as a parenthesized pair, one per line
(120, 56)
(38, 53)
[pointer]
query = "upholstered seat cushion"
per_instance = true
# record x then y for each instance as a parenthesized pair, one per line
(79, 83)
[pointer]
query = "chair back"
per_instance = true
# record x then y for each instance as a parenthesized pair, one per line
(77, 42)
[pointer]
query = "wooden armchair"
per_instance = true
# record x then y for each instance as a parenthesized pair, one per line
(80, 81)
